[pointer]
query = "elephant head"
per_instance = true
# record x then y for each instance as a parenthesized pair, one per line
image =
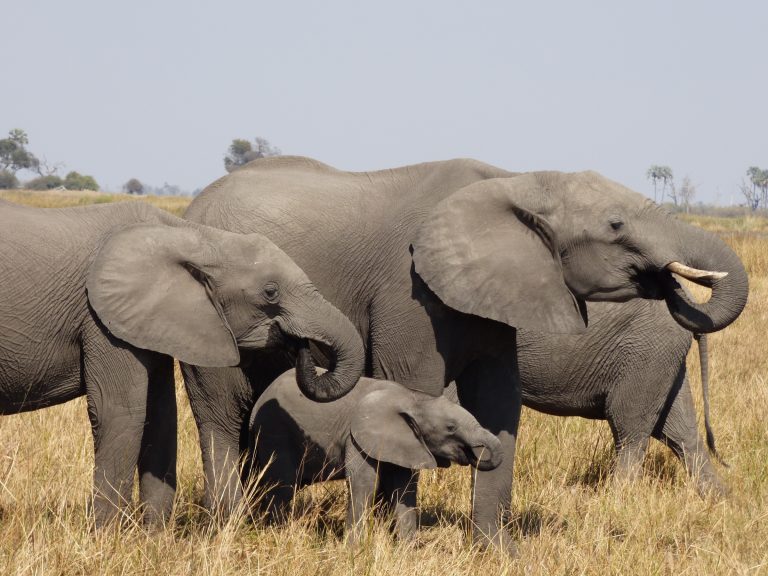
(417, 431)
(202, 295)
(527, 250)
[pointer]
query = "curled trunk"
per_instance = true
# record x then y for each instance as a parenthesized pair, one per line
(703, 250)
(328, 326)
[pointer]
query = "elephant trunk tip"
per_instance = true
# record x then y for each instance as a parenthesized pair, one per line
(323, 387)
(488, 454)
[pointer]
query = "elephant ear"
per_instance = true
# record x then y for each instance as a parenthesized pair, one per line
(383, 428)
(485, 251)
(148, 288)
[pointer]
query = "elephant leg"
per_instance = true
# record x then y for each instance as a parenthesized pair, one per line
(490, 390)
(116, 383)
(362, 487)
(221, 400)
(630, 454)
(280, 469)
(398, 494)
(633, 409)
(157, 462)
(677, 428)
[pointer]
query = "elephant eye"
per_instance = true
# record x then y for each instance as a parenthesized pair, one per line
(271, 292)
(616, 224)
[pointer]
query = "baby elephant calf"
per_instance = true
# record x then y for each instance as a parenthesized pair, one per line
(374, 436)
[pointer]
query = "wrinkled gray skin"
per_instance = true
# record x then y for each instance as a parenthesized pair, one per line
(374, 436)
(437, 263)
(628, 368)
(96, 301)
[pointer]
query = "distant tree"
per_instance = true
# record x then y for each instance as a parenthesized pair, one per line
(8, 180)
(242, 151)
(134, 186)
(14, 155)
(45, 168)
(168, 190)
(687, 193)
(76, 181)
(44, 183)
(759, 180)
(661, 174)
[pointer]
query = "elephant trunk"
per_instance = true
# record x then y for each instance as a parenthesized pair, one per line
(334, 329)
(729, 284)
(486, 451)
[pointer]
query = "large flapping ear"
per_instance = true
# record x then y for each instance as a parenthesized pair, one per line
(485, 251)
(148, 287)
(383, 427)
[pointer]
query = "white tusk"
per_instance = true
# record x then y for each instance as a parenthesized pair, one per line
(694, 274)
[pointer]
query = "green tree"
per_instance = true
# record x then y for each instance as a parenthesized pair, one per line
(76, 181)
(133, 186)
(44, 183)
(242, 151)
(14, 155)
(661, 174)
(8, 180)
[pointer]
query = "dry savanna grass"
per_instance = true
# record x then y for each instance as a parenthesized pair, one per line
(65, 198)
(570, 517)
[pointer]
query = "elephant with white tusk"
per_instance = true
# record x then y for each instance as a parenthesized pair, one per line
(438, 264)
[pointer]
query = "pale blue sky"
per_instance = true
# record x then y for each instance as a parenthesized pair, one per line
(157, 89)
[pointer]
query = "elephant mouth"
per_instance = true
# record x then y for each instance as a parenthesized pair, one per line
(478, 456)
(649, 283)
(481, 457)
(442, 462)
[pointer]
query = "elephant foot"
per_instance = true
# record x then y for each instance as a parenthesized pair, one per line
(501, 541)
(712, 489)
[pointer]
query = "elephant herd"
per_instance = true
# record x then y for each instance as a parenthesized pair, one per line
(440, 273)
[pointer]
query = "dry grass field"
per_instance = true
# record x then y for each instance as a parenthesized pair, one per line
(570, 517)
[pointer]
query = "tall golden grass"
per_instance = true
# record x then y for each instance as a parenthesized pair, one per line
(571, 518)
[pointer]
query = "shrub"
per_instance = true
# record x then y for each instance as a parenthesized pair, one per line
(8, 180)
(77, 181)
(45, 183)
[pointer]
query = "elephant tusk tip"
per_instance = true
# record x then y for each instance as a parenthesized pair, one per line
(694, 274)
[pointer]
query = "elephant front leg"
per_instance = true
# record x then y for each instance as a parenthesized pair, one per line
(116, 390)
(362, 480)
(220, 399)
(490, 390)
(398, 488)
(157, 462)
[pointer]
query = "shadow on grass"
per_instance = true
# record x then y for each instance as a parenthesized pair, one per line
(531, 522)
(659, 465)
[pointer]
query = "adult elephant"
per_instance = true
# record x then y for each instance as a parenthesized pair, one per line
(628, 368)
(97, 300)
(436, 264)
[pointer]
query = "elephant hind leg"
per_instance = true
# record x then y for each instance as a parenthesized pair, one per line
(633, 410)
(157, 461)
(629, 459)
(677, 428)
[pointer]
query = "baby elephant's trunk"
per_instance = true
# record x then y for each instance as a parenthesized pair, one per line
(486, 452)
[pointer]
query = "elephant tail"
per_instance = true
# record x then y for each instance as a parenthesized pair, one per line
(701, 339)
